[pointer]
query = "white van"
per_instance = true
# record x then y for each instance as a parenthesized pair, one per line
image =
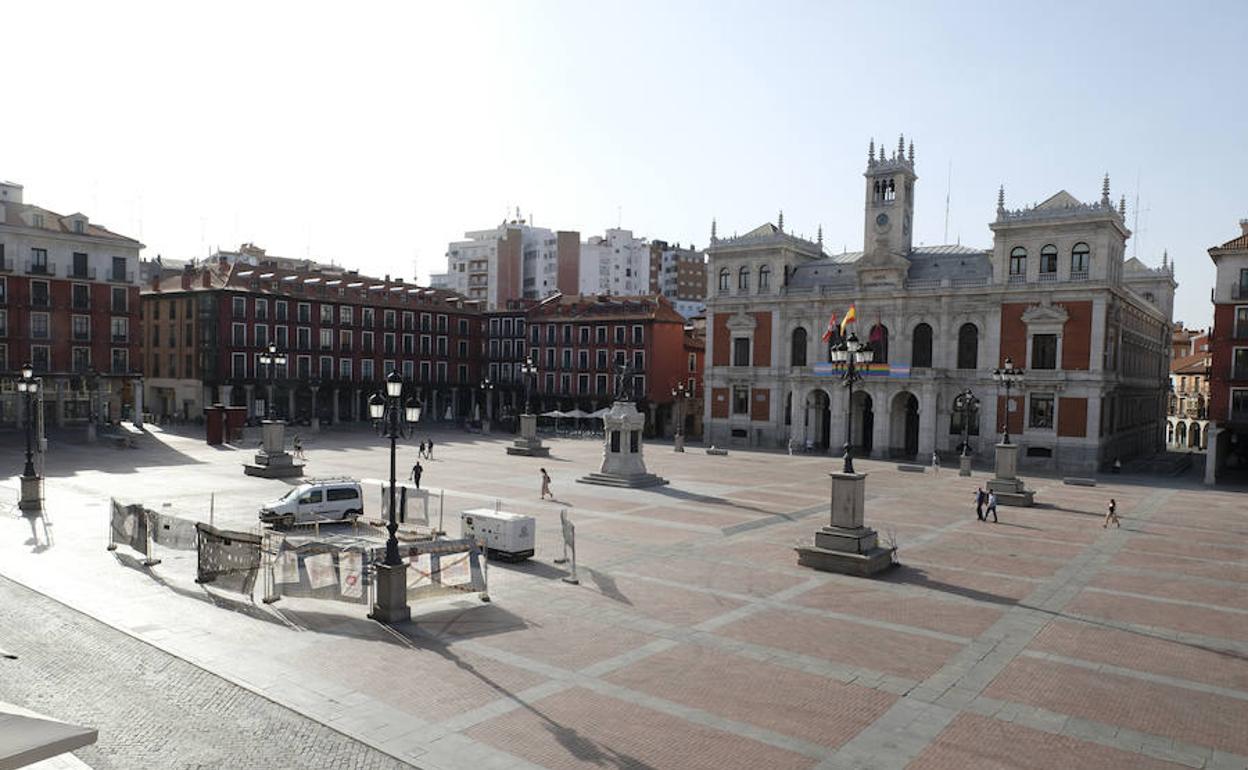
(316, 500)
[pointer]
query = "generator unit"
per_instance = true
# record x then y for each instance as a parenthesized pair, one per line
(506, 536)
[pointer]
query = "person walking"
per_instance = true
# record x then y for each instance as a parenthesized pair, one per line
(992, 507)
(935, 463)
(297, 445)
(417, 472)
(980, 499)
(420, 452)
(1111, 514)
(546, 485)
(429, 450)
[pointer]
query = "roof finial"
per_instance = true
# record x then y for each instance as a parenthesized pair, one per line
(714, 235)
(1105, 190)
(901, 147)
(882, 158)
(911, 152)
(871, 152)
(819, 237)
(1001, 199)
(1122, 207)
(1165, 259)
(780, 221)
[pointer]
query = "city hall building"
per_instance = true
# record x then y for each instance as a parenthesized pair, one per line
(1055, 293)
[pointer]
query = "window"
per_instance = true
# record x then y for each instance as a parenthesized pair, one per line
(345, 338)
(424, 370)
(120, 300)
(304, 367)
(81, 328)
(409, 344)
(327, 367)
(40, 357)
(346, 315)
(601, 335)
(342, 493)
(584, 335)
(741, 351)
(693, 362)
(740, 399)
(442, 346)
(327, 313)
(567, 334)
(366, 317)
(39, 296)
(305, 312)
(238, 335)
(120, 329)
(878, 338)
(281, 336)
(238, 365)
(582, 384)
(1079, 258)
(602, 359)
(387, 343)
(797, 349)
(1044, 351)
(921, 346)
(261, 335)
(303, 338)
(1041, 414)
(121, 361)
(327, 339)
(639, 360)
(968, 346)
(1239, 364)
(1241, 322)
(4, 326)
(344, 368)
(80, 265)
(39, 326)
(311, 497)
(366, 369)
(723, 279)
(279, 310)
(1048, 259)
(262, 309)
(366, 342)
(1239, 404)
(582, 359)
(39, 261)
(600, 383)
(119, 269)
(743, 279)
(1018, 261)
(81, 359)
(239, 306)
(638, 334)
(764, 279)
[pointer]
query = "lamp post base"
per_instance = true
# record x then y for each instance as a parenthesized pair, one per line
(964, 465)
(678, 442)
(32, 494)
(391, 606)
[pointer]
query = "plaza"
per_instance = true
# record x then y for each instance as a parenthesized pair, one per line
(694, 639)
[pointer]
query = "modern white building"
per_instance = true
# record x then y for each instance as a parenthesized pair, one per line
(511, 261)
(617, 263)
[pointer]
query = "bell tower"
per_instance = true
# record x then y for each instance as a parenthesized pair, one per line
(889, 210)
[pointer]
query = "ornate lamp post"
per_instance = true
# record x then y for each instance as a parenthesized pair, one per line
(850, 353)
(393, 419)
(487, 388)
(965, 404)
(528, 370)
(680, 392)
(1009, 377)
(32, 484)
(272, 358)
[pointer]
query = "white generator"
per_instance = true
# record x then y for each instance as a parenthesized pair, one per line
(506, 536)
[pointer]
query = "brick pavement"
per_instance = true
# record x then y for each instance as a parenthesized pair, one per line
(695, 640)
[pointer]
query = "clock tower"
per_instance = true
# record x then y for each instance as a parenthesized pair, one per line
(889, 225)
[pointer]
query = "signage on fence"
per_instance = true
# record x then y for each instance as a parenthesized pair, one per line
(228, 559)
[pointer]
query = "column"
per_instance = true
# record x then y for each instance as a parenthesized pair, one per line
(290, 403)
(136, 385)
(250, 397)
(333, 420)
(60, 404)
(838, 398)
(799, 417)
(881, 406)
(929, 422)
(315, 417)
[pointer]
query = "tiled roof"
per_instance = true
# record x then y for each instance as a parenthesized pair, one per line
(1235, 243)
(595, 307)
(58, 223)
(1197, 363)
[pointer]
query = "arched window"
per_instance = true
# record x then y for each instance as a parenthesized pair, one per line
(797, 351)
(1079, 258)
(743, 279)
(764, 278)
(968, 346)
(921, 351)
(723, 279)
(879, 342)
(1048, 259)
(1018, 261)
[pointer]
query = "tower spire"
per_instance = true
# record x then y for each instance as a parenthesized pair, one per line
(871, 152)
(781, 221)
(901, 147)
(714, 235)
(1001, 199)
(1165, 259)
(911, 152)
(819, 237)
(1105, 190)
(1122, 207)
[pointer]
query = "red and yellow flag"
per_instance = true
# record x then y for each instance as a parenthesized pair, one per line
(827, 334)
(850, 315)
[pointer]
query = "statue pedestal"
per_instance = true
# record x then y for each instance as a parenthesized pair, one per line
(678, 442)
(273, 461)
(528, 444)
(847, 546)
(623, 461)
(391, 606)
(1010, 489)
(964, 465)
(32, 494)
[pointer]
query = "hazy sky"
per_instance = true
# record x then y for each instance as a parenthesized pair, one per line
(373, 134)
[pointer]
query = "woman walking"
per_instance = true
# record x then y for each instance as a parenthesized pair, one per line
(1111, 514)
(546, 485)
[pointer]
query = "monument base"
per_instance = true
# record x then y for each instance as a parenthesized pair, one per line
(866, 564)
(528, 445)
(678, 442)
(274, 465)
(628, 481)
(1012, 492)
(964, 465)
(391, 606)
(32, 494)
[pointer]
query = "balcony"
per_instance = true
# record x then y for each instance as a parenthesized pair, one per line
(1239, 291)
(1078, 275)
(120, 339)
(121, 276)
(1047, 277)
(5, 265)
(40, 268)
(81, 336)
(1018, 278)
(85, 273)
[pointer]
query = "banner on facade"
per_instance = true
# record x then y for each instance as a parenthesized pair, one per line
(866, 370)
(228, 559)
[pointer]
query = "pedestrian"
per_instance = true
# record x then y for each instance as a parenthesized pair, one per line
(1111, 514)
(980, 499)
(417, 471)
(790, 447)
(546, 485)
(992, 507)
(935, 463)
(1117, 465)
(429, 450)
(297, 444)
(421, 451)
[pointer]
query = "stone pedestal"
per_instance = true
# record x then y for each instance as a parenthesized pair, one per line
(964, 465)
(678, 442)
(315, 424)
(528, 444)
(1010, 489)
(91, 434)
(391, 606)
(32, 494)
(623, 460)
(273, 461)
(847, 545)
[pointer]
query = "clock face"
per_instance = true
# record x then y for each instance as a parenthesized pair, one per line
(881, 220)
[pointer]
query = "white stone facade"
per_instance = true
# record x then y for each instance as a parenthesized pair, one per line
(617, 263)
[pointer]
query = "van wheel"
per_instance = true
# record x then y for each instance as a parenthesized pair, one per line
(350, 515)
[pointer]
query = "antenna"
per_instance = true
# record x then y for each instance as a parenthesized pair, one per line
(619, 217)
(948, 188)
(1135, 224)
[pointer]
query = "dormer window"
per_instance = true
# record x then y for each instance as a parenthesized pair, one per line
(38, 220)
(79, 226)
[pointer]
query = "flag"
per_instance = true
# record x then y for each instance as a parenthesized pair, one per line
(850, 315)
(831, 330)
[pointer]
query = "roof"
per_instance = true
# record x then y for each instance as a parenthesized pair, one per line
(1235, 243)
(768, 234)
(604, 307)
(58, 223)
(926, 263)
(1197, 363)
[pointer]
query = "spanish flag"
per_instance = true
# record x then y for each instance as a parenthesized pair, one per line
(850, 315)
(827, 334)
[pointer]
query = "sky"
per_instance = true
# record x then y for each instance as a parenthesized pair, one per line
(372, 134)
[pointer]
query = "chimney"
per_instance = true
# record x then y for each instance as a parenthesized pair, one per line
(156, 282)
(1243, 226)
(187, 276)
(206, 278)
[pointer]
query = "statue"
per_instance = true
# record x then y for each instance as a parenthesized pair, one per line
(625, 383)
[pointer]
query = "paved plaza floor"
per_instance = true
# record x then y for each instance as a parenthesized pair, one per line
(694, 640)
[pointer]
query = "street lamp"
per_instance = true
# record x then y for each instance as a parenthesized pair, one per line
(1009, 377)
(394, 420)
(527, 370)
(680, 392)
(965, 404)
(272, 358)
(30, 386)
(850, 353)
